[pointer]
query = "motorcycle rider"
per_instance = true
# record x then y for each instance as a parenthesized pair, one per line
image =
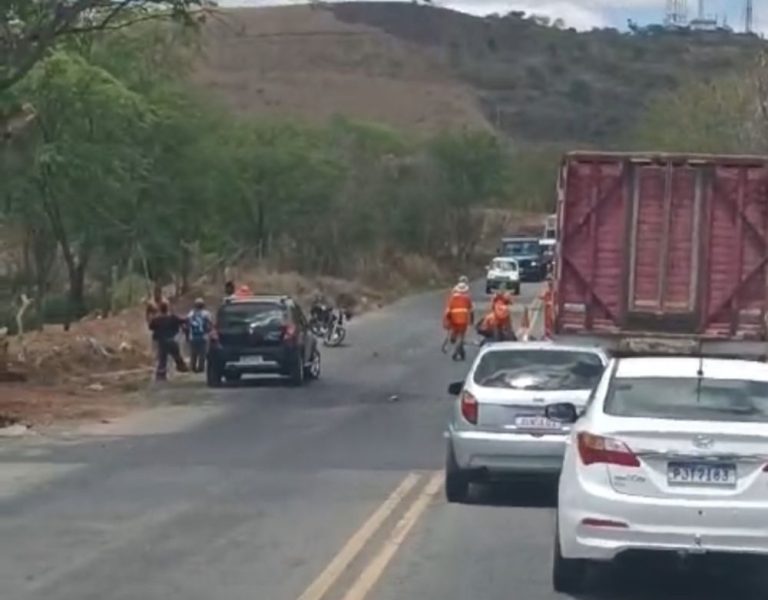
(458, 315)
(319, 310)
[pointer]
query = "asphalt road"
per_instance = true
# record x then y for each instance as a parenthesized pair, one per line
(264, 492)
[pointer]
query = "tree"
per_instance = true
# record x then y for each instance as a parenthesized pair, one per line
(711, 116)
(83, 164)
(471, 170)
(30, 29)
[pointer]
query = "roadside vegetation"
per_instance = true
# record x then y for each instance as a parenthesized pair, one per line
(726, 114)
(128, 173)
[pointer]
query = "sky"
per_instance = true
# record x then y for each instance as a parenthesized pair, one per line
(586, 14)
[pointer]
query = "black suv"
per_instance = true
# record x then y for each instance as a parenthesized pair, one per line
(529, 254)
(262, 335)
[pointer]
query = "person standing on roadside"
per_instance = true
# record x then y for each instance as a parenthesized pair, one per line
(199, 326)
(165, 328)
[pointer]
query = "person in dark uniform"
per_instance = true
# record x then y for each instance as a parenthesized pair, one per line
(165, 328)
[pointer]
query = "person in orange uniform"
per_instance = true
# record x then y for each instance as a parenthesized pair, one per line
(458, 315)
(243, 292)
(497, 324)
(547, 298)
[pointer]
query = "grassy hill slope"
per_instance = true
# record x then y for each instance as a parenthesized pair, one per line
(421, 67)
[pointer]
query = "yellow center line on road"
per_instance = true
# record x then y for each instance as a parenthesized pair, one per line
(375, 569)
(329, 576)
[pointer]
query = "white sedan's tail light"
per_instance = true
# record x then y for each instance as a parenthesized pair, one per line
(597, 449)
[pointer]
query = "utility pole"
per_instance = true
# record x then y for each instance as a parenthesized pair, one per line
(701, 10)
(749, 17)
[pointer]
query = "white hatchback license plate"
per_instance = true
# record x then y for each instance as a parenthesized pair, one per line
(537, 423)
(704, 474)
(251, 360)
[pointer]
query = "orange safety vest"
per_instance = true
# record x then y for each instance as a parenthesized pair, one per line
(458, 312)
(243, 292)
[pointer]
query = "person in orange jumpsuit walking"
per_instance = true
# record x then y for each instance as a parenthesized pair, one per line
(458, 316)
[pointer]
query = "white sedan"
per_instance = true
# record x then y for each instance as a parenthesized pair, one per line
(670, 455)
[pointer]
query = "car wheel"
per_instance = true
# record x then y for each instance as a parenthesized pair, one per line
(212, 375)
(312, 371)
(488, 289)
(297, 372)
(568, 575)
(456, 480)
(517, 290)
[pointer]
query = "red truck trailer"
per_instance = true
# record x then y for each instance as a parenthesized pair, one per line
(662, 244)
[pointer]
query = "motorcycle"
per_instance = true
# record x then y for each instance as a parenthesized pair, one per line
(336, 331)
(327, 323)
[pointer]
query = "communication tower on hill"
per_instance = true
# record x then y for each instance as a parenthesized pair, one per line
(677, 13)
(749, 17)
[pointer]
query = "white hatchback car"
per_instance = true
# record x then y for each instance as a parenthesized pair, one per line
(498, 427)
(671, 455)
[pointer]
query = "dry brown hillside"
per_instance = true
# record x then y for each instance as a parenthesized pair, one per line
(423, 67)
(302, 61)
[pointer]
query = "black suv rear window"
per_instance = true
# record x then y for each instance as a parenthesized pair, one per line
(543, 370)
(258, 314)
(689, 398)
(520, 247)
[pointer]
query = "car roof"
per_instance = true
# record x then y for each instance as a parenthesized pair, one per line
(260, 299)
(688, 367)
(540, 346)
(505, 258)
(520, 238)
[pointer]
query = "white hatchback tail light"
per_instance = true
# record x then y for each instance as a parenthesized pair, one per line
(469, 407)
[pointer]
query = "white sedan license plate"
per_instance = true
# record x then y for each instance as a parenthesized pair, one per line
(701, 474)
(537, 423)
(251, 360)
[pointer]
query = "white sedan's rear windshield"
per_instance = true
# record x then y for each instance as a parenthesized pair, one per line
(543, 370)
(505, 265)
(689, 398)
